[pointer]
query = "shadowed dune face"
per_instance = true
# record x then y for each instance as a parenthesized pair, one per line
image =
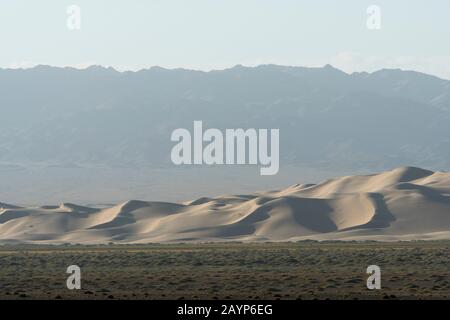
(7, 215)
(405, 203)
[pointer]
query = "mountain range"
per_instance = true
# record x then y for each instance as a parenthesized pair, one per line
(327, 118)
(97, 135)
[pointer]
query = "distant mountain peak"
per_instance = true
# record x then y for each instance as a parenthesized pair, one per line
(329, 66)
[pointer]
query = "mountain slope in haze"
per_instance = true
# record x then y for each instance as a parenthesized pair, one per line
(327, 118)
(406, 203)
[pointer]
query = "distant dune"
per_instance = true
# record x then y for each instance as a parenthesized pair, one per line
(403, 204)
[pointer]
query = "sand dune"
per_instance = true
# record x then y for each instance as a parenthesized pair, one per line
(403, 204)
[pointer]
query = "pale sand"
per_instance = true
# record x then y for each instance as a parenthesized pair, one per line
(403, 204)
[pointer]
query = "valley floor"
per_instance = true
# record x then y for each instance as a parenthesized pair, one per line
(303, 270)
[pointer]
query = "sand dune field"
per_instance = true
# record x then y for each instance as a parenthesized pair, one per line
(402, 204)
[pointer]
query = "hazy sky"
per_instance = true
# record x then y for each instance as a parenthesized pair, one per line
(215, 34)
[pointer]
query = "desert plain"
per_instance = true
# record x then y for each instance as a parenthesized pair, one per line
(303, 270)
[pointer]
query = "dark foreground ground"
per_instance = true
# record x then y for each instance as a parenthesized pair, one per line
(306, 270)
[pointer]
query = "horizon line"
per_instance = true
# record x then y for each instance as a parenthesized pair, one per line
(118, 70)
